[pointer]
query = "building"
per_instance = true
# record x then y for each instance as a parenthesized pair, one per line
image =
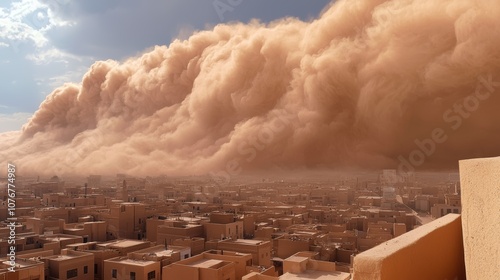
(223, 225)
(201, 267)
(302, 266)
(439, 210)
(25, 269)
(72, 265)
(258, 249)
(125, 268)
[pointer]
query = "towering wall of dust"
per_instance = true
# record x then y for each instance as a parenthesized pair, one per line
(371, 83)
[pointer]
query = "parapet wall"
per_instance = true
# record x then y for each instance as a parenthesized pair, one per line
(432, 251)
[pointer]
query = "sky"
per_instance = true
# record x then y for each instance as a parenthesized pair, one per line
(366, 84)
(46, 43)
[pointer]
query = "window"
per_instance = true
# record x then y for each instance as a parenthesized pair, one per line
(113, 273)
(152, 275)
(85, 269)
(95, 268)
(71, 273)
(186, 256)
(132, 275)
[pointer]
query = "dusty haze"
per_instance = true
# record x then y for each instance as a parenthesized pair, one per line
(354, 88)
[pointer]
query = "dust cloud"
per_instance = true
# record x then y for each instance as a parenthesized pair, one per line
(365, 85)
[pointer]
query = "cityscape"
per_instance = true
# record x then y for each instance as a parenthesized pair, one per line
(125, 227)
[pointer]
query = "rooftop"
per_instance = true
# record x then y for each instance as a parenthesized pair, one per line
(246, 241)
(122, 243)
(316, 275)
(134, 262)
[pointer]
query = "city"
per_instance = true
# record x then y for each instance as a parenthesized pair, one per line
(249, 140)
(168, 228)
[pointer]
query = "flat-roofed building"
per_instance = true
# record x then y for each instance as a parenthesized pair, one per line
(72, 265)
(24, 269)
(100, 255)
(125, 246)
(125, 268)
(167, 234)
(60, 241)
(200, 267)
(164, 255)
(302, 266)
(89, 231)
(440, 210)
(196, 244)
(241, 261)
(260, 250)
(223, 225)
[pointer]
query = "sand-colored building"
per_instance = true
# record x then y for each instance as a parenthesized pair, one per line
(196, 244)
(260, 250)
(24, 269)
(223, 225)
(125, 268)
(241, 261)
(302, 266)
(100, 255)
(167, 234)
(125, 246)
(89, 231)
(72, 265)
(210, 265)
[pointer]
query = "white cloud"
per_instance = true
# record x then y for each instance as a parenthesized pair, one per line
(68, 77)
(27, 21)
(3, 44)
(72, 76)
(13, 122)
(51, 55)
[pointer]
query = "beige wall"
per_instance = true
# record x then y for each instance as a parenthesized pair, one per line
(152, 228)
(58, 267)
(231, 230)
(480, 183)
(175, 272)
(286, 247)
(183, 270)
(261, 253)
(432, 251)
(197, 245)
(240, 261)
(124, 269)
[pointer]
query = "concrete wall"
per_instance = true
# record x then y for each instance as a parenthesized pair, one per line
(432, 251)
(480, 184)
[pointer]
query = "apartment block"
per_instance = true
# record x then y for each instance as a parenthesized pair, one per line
(223, 225)
(125, 268)
(25, 269)
(302, 266)
(72, 265)
(258, 249)
(207, 266)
